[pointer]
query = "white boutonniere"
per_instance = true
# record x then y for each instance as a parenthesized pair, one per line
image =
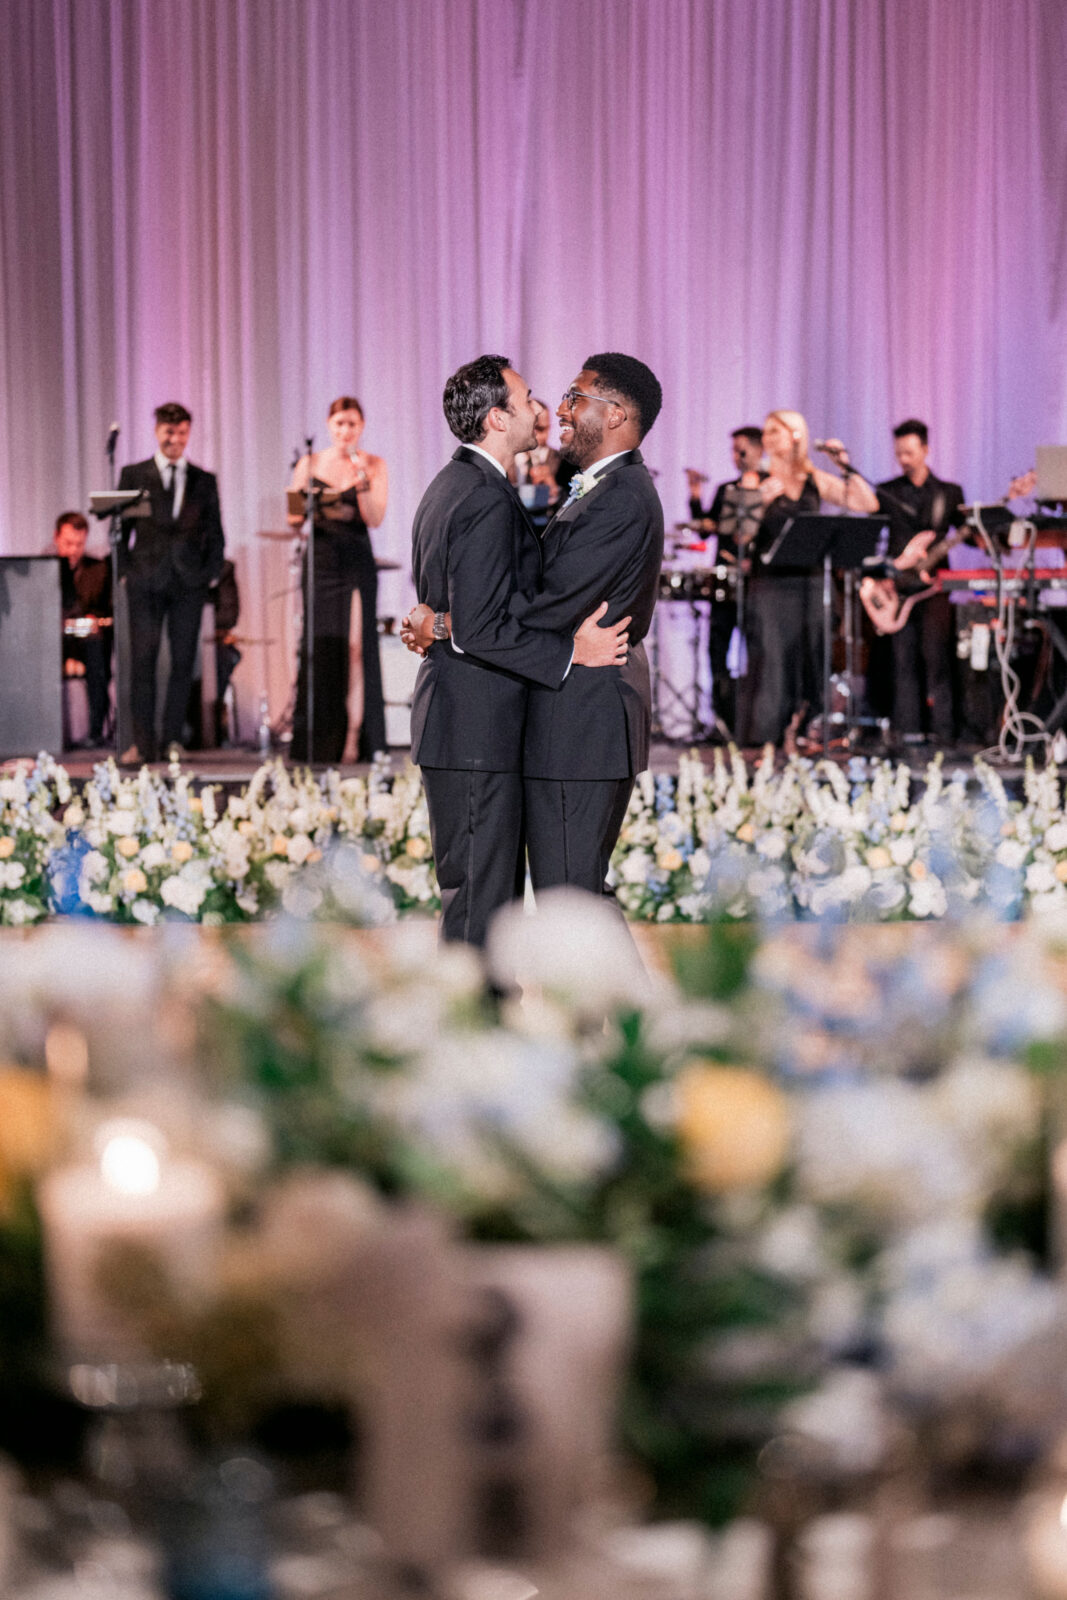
(581, 484)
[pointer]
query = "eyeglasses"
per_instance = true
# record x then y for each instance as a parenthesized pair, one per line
(571, 395)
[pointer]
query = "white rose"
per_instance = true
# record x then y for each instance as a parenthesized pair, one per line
(699, 865)
(18, 912)
(635, 867)
(277, 873)
(1010, 853)
(153, 855)
(300, 847)
(902, 851)
(123, 820)
(144, 911)
(771, 844)
(183, 894)
(11, 874)
(1040, 877)
(94, 867)
(1056, 836)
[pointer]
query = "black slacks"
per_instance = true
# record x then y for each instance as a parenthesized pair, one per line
(182, 611)
(922, 671)
(476, 828)
(572, 826)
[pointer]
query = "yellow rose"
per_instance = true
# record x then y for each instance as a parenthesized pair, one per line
(917, 870)
(195, 803)
(280, 847)
(246, 827)
(1061, 871)
(1007, 828)
(127, 846)
(181, 850)
(418, 849)
(134, 881)
(7, 847)
(746, 833)
(315, 855)
(733, 1124)
(899, 822)
(670, 860)
(370, 863)
(27, 1127)
(878, 857)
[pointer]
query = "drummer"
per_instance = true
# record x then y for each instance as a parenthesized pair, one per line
(721, 519)
(86, 595)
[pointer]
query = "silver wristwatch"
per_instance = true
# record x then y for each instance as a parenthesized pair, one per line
(440, 625)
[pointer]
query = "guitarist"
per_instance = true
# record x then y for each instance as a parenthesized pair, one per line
(918, 502)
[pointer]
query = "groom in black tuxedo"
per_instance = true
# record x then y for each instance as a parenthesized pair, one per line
(472, 548)
(169, 560)
(587, 735)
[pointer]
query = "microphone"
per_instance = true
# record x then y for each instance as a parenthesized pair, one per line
(112, 438)
(828, 446)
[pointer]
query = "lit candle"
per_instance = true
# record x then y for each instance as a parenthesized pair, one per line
(133, 1194)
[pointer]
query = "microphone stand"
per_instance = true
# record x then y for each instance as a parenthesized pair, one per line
(309, 604)
(118, 598)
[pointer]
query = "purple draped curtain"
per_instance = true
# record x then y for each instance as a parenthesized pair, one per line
(853, 207)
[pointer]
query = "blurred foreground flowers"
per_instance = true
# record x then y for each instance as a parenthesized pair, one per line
(823, 1157)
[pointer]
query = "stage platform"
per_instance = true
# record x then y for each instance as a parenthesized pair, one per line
(233, 767)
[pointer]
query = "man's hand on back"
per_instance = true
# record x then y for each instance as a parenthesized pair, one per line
(601, 647)
(416, 629)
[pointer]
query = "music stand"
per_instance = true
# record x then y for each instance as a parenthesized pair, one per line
(846, 542)
(119, 506)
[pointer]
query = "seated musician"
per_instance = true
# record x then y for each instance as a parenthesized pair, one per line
(917, 502)
(87, 630)
(723, 518)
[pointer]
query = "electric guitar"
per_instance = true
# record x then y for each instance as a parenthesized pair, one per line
(889, 601)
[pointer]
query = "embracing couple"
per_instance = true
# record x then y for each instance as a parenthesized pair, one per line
(532, 709)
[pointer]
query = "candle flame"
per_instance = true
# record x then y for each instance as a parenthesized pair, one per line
(130, 1157)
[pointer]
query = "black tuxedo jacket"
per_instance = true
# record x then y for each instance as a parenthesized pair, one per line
(472, 548)
(608, 545)
(159, 553)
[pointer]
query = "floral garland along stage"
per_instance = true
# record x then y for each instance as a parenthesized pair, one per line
(810, 840)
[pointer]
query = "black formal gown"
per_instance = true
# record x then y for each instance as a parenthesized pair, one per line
(785, 630)
(344, 564)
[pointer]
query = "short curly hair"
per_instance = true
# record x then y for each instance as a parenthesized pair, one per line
(172, 414)
(472, 392)
(630, 378)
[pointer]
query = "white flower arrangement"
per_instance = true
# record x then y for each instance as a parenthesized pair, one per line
(809, 840)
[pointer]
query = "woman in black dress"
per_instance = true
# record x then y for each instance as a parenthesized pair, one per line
(785, 619)
(349, 712)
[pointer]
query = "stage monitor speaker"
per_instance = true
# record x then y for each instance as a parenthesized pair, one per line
(31, 656)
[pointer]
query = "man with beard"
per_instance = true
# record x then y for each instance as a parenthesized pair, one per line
(471, 548)
(586, 737)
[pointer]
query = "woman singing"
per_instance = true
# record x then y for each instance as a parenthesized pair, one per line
(785, 618)
(349, 713)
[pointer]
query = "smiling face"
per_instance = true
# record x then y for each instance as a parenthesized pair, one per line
(346, 428)
(583, 422)
(172, 438)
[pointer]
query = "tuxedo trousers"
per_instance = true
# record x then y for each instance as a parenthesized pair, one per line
(476, 828)
(182, 611)
(572, 827)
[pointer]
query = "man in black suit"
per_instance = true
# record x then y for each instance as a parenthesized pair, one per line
(86, 589)
(472, 547)
(923, 651)
(169, 560)
(586, 737)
